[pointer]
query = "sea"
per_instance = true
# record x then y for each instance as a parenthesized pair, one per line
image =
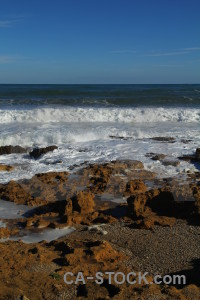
(98, 123)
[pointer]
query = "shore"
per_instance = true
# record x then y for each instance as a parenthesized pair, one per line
(116, 216)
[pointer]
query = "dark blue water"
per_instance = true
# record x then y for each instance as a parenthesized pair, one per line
(101, 95)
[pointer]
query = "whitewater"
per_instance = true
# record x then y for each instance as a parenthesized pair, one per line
(89, 135)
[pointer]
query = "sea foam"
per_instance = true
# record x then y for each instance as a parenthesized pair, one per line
(79, 115)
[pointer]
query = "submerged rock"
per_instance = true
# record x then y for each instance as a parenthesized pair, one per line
(11, 149)
(37, 152)
(158, 156)
(163, 139)
(174, 163)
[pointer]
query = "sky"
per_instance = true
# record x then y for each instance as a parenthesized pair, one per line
(99, 41)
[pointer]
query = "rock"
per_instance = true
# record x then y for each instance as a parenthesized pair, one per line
(197, 154)
(37, 152)
(4, 233)
(14, 192)
(97, 229)
(135, 186)
(188, 158)
(174, 163)
(11, 149)
(83, 202)
(98, 252)
(164, 139)
(6, 168)
(137, 203)
(158, 157)
(120, 137)
(192, 158)
(185, 141)
(150, 221)
(158, 206)
(39, 190)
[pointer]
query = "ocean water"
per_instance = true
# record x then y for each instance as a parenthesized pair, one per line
(98, 123)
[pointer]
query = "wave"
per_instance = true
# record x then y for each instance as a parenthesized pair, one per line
(83, 115)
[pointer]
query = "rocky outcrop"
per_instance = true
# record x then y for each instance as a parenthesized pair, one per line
(135, 186)
(158, 156)
(11, 149)
(159, 207)
(39, 190)
(37, 152)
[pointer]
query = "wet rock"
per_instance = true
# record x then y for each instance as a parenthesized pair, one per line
(197, 154)
(158, 157)
(174, 163)
(6, 168)
(37, 152)
(120, 137)
(164, 139)
(186, 141)
(11, 149)
(191, 158)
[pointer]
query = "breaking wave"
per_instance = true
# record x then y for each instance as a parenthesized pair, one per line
(83, 115)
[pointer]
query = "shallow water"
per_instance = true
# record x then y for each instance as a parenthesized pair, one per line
(36, 237)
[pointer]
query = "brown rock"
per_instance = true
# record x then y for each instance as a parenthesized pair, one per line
(152, 220)
(6, 168)
(135, 186)
(14, 192)
(4, 232)
(159, 207)
(137, 203)
(83, 202)
(39, 190)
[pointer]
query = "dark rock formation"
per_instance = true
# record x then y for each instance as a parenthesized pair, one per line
(164, 139)
(37, 152)
(11, 149)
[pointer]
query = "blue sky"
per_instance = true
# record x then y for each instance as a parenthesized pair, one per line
(100, 41)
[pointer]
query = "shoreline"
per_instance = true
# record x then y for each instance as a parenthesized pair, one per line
(125, 218)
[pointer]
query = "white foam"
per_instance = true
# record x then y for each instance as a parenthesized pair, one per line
(77, 114)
